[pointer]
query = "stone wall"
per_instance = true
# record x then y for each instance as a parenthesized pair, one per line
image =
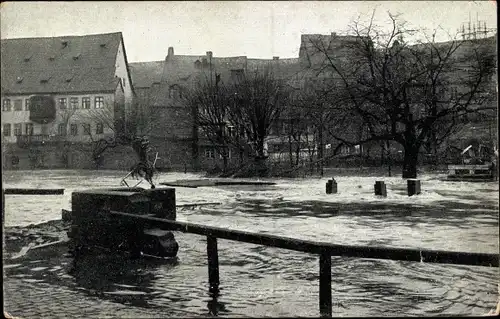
(70, 156)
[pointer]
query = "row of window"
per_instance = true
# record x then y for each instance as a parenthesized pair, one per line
(74, 103)
(211, 152)
(61, 129)
(18, 128)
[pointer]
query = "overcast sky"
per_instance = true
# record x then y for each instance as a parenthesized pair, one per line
(228, 28)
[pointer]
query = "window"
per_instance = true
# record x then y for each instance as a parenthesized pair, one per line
(231, 131)
(27, 104)
(203, 110)
(345, 149)
(209, 153)
(28, 129)
(18, 129)
(85, 103)
(73, 128)
(86, 129)
(228, 155)
(6, 130)
(61, 129)
(62, 103)
(99, 102)
(357, 149)
(18, 105)
(73, 103)
(174, 92)
(6, 105)
(99, 128)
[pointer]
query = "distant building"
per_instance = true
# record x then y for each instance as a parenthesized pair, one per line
(161, 87)
(61, 92)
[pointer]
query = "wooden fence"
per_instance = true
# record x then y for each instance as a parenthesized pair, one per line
(324, 250)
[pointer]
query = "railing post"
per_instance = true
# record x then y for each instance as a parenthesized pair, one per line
(213, 265)
(325, 285)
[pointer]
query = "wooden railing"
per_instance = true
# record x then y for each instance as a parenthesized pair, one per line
(324, 250)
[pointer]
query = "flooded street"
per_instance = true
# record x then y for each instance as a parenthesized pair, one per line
(263, 281)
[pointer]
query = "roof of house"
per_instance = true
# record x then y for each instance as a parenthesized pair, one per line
(60, 64)
(144, 74)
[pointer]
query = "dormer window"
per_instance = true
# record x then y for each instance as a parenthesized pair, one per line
(76, 57)
(68, 79)
(19, 79)
(64, 43)
(27, 58)
(52, 58)
(45, 80)
(103, 45)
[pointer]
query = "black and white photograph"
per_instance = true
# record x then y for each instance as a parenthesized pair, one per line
(198, 159)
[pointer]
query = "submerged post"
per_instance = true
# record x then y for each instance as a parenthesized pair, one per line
(380, 189)
(325, 285)
(331, 186)
(413, 187)
(213, 265)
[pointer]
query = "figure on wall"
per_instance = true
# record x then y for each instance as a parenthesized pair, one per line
(144, 168)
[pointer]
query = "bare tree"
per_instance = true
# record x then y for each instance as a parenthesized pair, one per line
(116, 129)
(211, 101)
(257, 102)
(238, 114)
(401, 91)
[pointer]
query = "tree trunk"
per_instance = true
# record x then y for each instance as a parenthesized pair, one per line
(297, 153)
(224, 161)
(410, 161)
(320, 151)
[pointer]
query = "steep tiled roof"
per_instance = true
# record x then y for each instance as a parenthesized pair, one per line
(67, 63)
(144, 74)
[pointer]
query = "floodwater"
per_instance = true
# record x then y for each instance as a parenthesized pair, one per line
(264, 281)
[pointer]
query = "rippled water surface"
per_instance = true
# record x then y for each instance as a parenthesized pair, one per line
(264, 281)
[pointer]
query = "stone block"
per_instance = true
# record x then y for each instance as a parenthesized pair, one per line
(162, 202)
(66, 215)
(413, 187)
(331, 186)
(380, 189)
(94, 226)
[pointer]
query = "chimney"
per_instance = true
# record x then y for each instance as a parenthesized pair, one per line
(170, 52)
(276, 57)
(209, 54)
(334, 34)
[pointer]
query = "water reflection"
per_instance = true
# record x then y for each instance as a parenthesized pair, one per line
(119, 277)
(214, 305)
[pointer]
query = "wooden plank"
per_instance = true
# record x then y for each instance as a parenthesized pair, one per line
(431, 256)
(34, 191)
(465, 166)
(213, 182)
(178, 185)
(257, 183)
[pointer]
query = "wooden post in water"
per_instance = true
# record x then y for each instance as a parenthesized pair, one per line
(413, 187)
(213, 265)
(380, 189)
(331, 186)
(325, 285)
